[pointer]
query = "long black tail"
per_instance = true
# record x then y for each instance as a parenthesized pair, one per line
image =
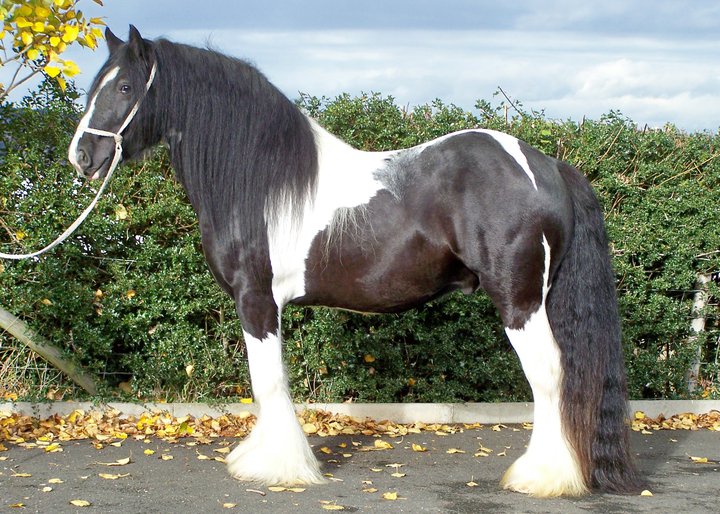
(583, 314)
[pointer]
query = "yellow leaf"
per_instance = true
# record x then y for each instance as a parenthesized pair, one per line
(189, 370)
(418, 448)
(54, 41)
(119, 462)
(149, 452)
(639, 415)
(56, 481)
(309, 428)
(229, 505)
(108, 476)
(246, 400)
(33, 54)
(19, 505)
(61, 3)
(62, 83)
(332, 506)
(370, 490)
(397, 475)
(646, 493)
(326, 450)
(21, 475)
(21, 21)
(70, 33)
(52, 70)
(166, 457)
(472, 484)
(38, 26)
(71, 69)
(80, 503)
(369, 358)
(42, 12)
(296, 489)
(699, 460)
(46, 301)
(455, 450)
(25, 10)
(382, 445)
(53, 448)
(26, 37)
(20, 235)
(277, 488)
(390, 496)
(46, 489)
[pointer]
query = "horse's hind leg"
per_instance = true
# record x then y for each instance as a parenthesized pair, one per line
(277, 450)
(549, 466)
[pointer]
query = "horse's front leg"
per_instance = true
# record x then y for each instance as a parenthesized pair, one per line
(277, 450)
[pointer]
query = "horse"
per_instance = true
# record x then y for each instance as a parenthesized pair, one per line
(290, 214)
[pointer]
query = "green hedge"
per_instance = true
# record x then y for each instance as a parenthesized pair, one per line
(130, 296)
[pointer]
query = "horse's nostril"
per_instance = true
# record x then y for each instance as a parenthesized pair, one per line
(83, 159)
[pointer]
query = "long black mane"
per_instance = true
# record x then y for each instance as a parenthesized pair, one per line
(239, 146)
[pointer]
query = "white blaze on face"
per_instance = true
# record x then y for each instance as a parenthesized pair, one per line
(85, 121)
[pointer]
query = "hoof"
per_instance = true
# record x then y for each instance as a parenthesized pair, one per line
(545, 478)
(274, 460)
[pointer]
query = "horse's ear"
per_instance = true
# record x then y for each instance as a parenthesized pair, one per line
(137, 44)
(113, 41)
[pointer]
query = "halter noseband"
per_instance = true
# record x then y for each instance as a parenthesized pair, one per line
(117, 137)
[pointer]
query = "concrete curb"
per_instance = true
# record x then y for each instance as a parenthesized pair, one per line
(396, 412)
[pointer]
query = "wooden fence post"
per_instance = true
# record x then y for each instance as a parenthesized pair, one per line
(46, 350)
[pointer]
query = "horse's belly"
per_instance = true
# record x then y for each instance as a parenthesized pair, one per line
(382, 275)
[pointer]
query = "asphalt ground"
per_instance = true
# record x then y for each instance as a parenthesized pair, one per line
(451, 476)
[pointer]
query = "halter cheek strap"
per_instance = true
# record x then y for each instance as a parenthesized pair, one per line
(116, 159)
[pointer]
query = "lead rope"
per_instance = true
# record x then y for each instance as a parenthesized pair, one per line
(116, 159)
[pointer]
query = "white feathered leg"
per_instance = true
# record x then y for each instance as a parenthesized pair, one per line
(277, 450)
(549, 466)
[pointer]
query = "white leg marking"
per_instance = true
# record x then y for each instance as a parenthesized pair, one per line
(549, 466)
(276, 451)
(85, 121)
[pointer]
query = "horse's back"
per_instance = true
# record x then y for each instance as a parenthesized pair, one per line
(445, 217)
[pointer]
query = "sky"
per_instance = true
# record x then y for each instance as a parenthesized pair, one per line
(655, 61)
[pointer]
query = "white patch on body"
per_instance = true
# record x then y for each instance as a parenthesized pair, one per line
(345, 180)
(85, 121)
(277, 450)
(509, 143)
(549, 467)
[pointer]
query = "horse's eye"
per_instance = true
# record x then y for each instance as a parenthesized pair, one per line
(125, 89)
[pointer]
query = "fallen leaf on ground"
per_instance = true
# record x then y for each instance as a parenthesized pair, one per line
(382, 445)
(455, 450)
(331, 505)
(109, 476)
(390, 496)
(418, 448)
(646, 493)
(80, 503)
(119, 462)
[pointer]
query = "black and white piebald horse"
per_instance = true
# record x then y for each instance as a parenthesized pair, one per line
(290, 214)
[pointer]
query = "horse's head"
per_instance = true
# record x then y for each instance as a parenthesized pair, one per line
(114, 107)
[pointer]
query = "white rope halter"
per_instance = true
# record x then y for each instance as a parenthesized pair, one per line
(116, 159)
